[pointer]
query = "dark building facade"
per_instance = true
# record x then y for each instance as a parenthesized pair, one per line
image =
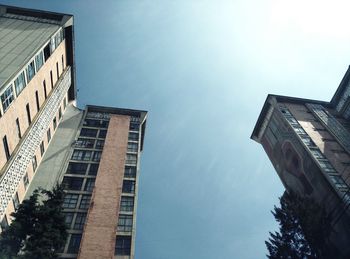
(308, 143)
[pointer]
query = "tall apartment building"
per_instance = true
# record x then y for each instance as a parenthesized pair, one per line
(308, 143)
(46, 139)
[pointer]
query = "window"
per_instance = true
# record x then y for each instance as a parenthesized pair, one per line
(37, 101)
(51, 79)
(47, 52)
(134, 126)
(96, 123)
(48, 133)
(15, 201)
(76, 168)
(88, 132)
(30, 71)
(39, 60)
(85, 143)
(28, 114)
(85, 202)
(44, 85)
(326, 166)
(130, 172)
(317, 154)
(62, 63)
(74, 244)
(6, 147)
(131, 159)
(93, 169)
(128, 186)
(132, 147)
(53, 44)
(34, 163)
(338, 181)
(42, 148)
(299, 130)
(102, 133)
(68, 218)
(125, 223)
(307, 141)
(82, 155)
(7, 98)
(18, 129)
(89, 185)
(133, 136)
(64, 103)
(20, 83)
(79, 221)
(100, 144)
(328, 139)
(25, 181)
(4, 223)
(123, 245)
(70, 201)
(57, 71)
(97, 156)
(59, 113)
(127, 203)
(54, 123)
(72, 183)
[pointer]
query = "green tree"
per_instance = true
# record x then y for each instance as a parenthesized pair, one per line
(304, 230)
(38, 229)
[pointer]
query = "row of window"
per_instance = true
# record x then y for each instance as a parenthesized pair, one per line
(86, 155)
(48, 135)
(27, 74)
(89, 143)
(87, 132)
(96, 123)
(29, 118)
(76, 183)
(79, 220)
(71, 201)
(82, 168)
(332, 124)
(323, 162)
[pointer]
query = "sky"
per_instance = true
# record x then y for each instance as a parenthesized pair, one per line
(202, 69)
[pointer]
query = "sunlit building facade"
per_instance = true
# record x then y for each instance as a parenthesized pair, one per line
(308, 143)
(46, 139)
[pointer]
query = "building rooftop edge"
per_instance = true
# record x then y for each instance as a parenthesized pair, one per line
(34, 12)
(62, 19)
(341, 88)
(279, 98)
(123, 111)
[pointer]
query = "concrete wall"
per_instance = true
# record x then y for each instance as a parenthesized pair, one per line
(17, 108)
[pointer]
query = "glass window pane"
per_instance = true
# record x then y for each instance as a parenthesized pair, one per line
(70, 201)
(72, 183)
(76, 168)
(125, 223)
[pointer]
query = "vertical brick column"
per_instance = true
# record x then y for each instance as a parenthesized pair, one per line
(99, 234)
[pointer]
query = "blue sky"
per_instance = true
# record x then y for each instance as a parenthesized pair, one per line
(203, 69)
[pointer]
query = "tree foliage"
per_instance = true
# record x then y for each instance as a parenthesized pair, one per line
(38, 228)
(304, 230)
